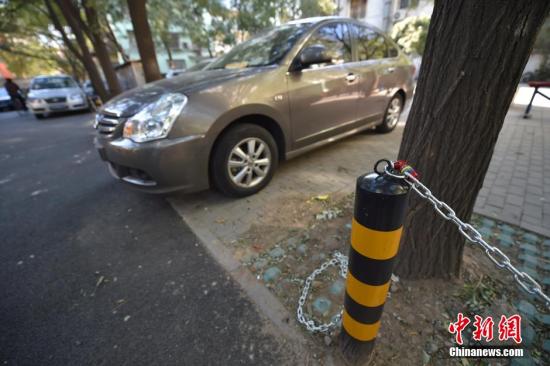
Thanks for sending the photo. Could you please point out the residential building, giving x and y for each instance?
(384, 13)
(180, 54)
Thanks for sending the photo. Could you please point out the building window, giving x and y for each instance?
(174, 41)
(176, 64)
(403, 4)
(358, 8)
(131, 40)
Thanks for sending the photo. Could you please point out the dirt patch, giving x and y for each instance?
(295, 235)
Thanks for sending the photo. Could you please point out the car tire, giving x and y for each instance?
(237, 171)
(39, 116)
(391, 115)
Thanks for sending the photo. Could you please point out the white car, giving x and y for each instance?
(172, 73)
(49, 94)
(5, 100)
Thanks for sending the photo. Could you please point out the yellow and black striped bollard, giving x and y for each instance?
(380, 203)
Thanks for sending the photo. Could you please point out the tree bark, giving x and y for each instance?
(84, 54)
(144, 40)
(113, 39)
(474, 57)
(101, 50)
(166, 45)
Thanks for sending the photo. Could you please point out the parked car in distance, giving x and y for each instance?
(5, 100)
(174, 72)
(294, 88)
(60, 93)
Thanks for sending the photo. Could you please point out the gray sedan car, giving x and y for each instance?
(294, 88)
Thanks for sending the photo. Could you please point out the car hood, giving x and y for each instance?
(129, 103)
(50, 93)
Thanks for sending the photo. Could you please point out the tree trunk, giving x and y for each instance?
(84, 54)
(144, 39)
(101, 50)
(475, 54)
(113, 39)
(166, 45)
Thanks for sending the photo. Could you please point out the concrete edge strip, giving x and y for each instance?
(529, 227)
(270, 306)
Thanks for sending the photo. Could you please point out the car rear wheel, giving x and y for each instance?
(391, 117)
(244, 160)
(39, 116)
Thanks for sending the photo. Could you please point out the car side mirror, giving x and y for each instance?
(316, 54)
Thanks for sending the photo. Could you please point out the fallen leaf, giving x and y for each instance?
(100, 280)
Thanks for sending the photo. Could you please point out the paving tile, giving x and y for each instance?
(530, 238)
(531, 259)
(496, 200)
(515, 200)
(487, 222)
(505, 240)
(529, 248)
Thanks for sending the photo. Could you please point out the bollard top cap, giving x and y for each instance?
(382, 184)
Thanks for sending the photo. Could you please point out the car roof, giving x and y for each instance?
(51, 76)
(312, 20)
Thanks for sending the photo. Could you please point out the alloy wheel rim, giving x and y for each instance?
(249, 162)
(394, 111)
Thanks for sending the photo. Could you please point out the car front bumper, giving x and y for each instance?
(167, 165)
(45, 108)
(6, 104)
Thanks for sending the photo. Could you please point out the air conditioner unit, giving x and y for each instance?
(398, 16)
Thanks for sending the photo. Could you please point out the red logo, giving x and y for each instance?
(508, 328)
(484, 328)
(458, 327)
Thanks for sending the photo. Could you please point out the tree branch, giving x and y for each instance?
(59, 28)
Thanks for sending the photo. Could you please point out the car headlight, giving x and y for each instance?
(155, 120)
(35, 100)
(76, 96)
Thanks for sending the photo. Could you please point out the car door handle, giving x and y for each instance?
(351, 77)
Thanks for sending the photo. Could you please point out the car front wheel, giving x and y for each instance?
(391, 117)
(244, 160)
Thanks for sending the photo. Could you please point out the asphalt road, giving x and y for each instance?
(93, 273)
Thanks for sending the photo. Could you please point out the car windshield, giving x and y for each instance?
(199, 65)
(266, 49)
(3, 92)
(53, 83)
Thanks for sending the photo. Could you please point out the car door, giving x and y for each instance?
(377, 73)
(323, 97)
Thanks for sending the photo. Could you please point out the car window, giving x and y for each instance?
(336, 39)
(52, 83)
(370, 44)
(392, 50)
(268, 48)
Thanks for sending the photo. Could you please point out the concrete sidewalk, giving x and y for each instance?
(517, 186)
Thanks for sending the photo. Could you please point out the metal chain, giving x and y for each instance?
(524, 280)
(337, 259)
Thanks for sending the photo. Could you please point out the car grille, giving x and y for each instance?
(108, 125)
(56, 100)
